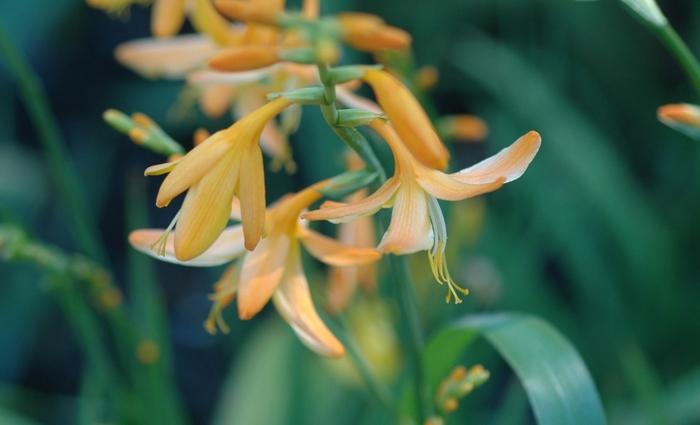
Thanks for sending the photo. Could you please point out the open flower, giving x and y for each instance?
(417, 223)
(228, 163)
(273, 270)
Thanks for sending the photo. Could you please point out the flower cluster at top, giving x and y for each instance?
(264, 65)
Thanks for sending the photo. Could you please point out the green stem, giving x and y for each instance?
(410, 322)
(378, 390)
(35, 100)
(682, 53)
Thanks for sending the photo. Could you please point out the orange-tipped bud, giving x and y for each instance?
(259, 12)
(167, 17)
(427, 77)
(200, 135)
(466, 128)
(368, 32)
(244, 58)
(679, 114)
(408, 118)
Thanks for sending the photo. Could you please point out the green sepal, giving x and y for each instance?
(357, 117)
(344, 184)
(304, 96)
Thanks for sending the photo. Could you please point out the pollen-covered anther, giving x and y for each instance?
(244, 58)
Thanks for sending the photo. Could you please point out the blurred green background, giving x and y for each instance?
(600, 237)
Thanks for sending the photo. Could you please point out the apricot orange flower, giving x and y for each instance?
(417, 223)
(228, 163)
(409, 119)
(273, 270)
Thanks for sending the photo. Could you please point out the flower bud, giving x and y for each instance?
(244, 58)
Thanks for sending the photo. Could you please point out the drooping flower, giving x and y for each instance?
(408, 118)
(370, 33)
(228, 163)
(417, 223)
(273, 270)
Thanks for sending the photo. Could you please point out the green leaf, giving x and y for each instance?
(9, 418)
(556, 380)
(258, 390)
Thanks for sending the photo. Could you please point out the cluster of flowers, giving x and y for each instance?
(265, 67)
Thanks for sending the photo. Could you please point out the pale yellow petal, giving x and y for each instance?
(167, 17)
(335, 253)
(226, 248)
(447, 187)
(206, 209)
(410, 229)
(252, 195)
(236, 209)
(509, 164)
(261, 272)
(167, 58)
(216, 100)
(338, 212)
(193, 166)
(208, 77)
(293, 301)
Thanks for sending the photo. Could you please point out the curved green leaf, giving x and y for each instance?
(556, 380)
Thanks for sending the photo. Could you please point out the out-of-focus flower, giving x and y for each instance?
(370, 33)
(464, 128)
(408, 118)
(459, 384)
(417, 223)
(426, 77)
(682, 117)
(273, 270)
(228, 163)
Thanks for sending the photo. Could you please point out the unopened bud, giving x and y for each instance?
(244, 58)
(257, 12)
(464, 128)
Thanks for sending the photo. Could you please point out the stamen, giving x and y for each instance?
(159, 246)
(436, 256)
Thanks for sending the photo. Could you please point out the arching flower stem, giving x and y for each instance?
(410, 321)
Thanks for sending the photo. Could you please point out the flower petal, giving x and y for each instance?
(169, 58)
(208, 77)
(352, 100)
(228, 246)
(410, 229)
(251, 192)
(335, 253)
(167, 17)
(408, 118)
(338, 212)
(261, 272)
(447, 187)
(206, 209)
(215, 100)
(510, 163)
(193, 166)
(294, 303)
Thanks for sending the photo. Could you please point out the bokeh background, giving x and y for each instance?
(600, 237)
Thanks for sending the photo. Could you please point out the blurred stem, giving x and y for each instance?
(410, 322)
(35, 100)
(682, 53)
(379, 391)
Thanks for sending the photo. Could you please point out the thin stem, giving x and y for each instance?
(682, 53)
(379, 391)
(410, 322)
(35, 100)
